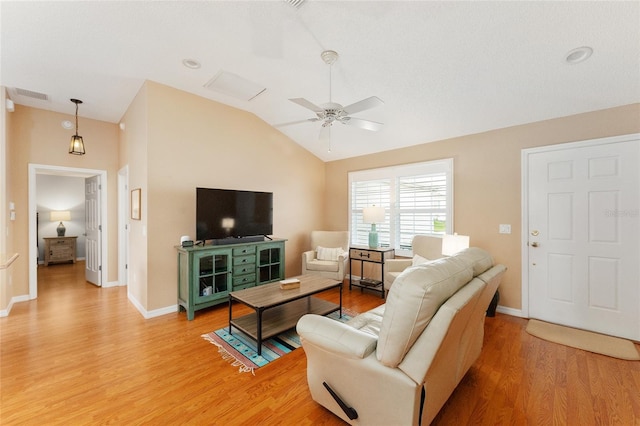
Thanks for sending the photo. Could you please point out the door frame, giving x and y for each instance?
(524, 236)
(123, 225)
(35, 169)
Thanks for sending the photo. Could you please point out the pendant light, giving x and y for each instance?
(76, 146)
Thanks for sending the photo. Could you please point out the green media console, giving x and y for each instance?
(207, 274)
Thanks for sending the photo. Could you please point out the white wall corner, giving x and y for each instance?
(15, 299)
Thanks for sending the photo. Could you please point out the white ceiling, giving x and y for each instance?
(443, 69)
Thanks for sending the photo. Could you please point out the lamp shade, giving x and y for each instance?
(373, 214)
(59, 216)
(76, 146)
(452, 244)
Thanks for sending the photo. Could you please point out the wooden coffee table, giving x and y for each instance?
(278, 310)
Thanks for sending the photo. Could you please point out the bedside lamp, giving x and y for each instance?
(373, 215)
(451, 244)
(59, 216)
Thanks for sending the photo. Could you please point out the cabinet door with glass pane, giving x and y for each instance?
(270, 262)
(212, 275)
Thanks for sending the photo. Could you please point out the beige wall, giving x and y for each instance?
(191, 142)
(36, 136)
(487, 188)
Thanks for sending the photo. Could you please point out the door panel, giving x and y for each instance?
(93, 257)
(583, 250)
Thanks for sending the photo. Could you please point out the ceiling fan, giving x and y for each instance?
(332, 112)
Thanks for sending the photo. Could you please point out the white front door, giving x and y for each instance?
(93, 226)
(583, 247)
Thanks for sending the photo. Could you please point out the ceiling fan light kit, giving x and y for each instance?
(331, 112)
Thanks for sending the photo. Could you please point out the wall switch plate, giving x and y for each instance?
(504, 229)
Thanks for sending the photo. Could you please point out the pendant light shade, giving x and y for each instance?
(76, 146)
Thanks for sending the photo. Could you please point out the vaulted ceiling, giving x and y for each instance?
(443, 69)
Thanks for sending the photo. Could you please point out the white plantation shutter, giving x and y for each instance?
(418, 199)
(369, 193)
(421, 206)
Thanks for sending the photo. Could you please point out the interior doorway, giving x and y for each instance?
(34, 170)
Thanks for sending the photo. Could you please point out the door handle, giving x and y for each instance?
(534, 244)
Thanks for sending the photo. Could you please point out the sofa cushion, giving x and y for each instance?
(369, 321)
(322, 265)
(328, 253)
(479, 259)
(413, 300)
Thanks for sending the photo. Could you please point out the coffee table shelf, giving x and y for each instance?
(283, 317)
(277, 310)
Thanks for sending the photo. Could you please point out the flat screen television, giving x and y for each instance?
(223, 214)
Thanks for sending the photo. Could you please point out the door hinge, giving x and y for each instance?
(100, 268)
(100, 228)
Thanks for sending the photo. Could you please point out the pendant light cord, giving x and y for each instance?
(76, 118)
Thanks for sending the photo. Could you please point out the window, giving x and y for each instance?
(417, 198)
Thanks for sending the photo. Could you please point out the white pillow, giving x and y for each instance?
(419, 260)
(324, 253)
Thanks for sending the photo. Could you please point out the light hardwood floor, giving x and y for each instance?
(83, 355)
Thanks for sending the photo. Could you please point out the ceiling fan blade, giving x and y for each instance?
(296, 122)
(307, 104)
(374, 126)
(364, 104)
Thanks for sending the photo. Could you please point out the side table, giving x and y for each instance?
(371, 255)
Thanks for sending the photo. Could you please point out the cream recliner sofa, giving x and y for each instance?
(331, 262)
(399, 363)
(427, 247)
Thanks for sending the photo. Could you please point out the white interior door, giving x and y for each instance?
(93, 228)
(583, 237)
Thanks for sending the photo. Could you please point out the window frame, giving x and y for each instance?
(392, 212)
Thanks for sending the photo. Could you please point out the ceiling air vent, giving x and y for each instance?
(31, 94)
(234, 85)
(295, 3)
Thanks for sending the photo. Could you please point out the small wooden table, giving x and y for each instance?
(59, 249)
(278, 310)
(371, 255)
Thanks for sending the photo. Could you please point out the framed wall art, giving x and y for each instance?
(136, 195)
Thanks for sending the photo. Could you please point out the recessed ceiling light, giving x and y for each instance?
(579, 54)
(191, 63)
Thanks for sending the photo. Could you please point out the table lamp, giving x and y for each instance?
(452, 244)
(59, 216)
(373, 215)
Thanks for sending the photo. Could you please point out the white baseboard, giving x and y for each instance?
(152, 314)
(15, 299)
(510, 311)
(111, 284)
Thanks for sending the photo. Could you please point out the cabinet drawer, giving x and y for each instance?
(360, 254)
(244, 269)
(244, 260)
(239, 251)
(249, 279)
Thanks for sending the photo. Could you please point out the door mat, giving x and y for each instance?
(593, 342)
(241, 351)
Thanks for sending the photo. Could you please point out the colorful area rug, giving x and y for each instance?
(241, 351)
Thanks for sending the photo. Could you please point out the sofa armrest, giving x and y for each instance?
(397, 265)
(336, 337)
(308, 256)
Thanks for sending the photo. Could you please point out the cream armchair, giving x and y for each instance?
(328, 255)
(427, 247)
